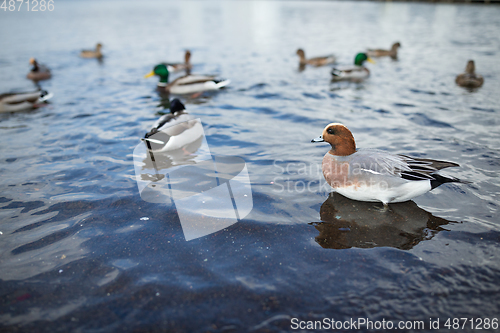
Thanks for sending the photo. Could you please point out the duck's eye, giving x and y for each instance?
(330, 131)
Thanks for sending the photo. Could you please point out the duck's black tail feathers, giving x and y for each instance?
(440, 179)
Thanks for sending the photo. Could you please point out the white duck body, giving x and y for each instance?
(193, 83)
(356, 73)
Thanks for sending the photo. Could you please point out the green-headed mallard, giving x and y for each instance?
(469, 79)
(176, 67)
(187, 84)
(38, 72)
(356, 73)
(316, 61)
(92, 53)
(393, 52)
(13, 102)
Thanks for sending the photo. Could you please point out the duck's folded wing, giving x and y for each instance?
(383, 163)
(192, 79)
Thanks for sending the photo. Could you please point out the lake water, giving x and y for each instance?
(80, 250)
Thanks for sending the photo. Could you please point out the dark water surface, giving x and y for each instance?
(81, 252)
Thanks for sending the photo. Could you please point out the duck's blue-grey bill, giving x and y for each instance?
(318, 139)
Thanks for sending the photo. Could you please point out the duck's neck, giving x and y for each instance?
(345, 148)
(163, 79)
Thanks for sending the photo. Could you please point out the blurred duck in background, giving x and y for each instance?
(357, 73)
(92, 53)
(38, 72)
(177, 67)
(13, 102)
(187, 84)
(470, 79)
(316, 61)
(393, 52)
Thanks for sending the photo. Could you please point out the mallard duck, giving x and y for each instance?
(186, 84)
(92, 53)
(175, 130)
(38, 72)
(13, 102)
(470, 79)
(316, 61)
(393, 52)
(176, 67)
(357, 73)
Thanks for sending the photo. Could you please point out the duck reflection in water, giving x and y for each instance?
(348, 223)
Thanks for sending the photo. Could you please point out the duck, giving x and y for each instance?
(356, 73)
(177, 67)
(13, 102)
(38, 72)
(469, 79)
(175, 130)
(393, 52)
(316, 61)
(374, 175)
(187, 84)
(92, 53)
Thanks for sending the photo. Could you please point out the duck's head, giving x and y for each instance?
(471, 67)
(176, 106)
(340, 138)
(301, 53)
(98, 46)
(161, 71)
(361, 58)
(396, 45)
(187, 56)
(32, 61)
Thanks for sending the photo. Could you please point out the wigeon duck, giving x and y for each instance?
(356, 73)
(393, 52)
(316, 61)
(469, 79)
(38, 71)
(187, 84)
(375, 175)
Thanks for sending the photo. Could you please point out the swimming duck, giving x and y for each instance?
(374, 175)
(187, 84)
(176, 67)
(92, 53)
(393, 52)
(13, 102)
(317, 61)
(356, 73)
(175, 130)
(469, 79)
(38, 72)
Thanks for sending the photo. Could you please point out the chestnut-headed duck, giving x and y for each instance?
(374, 175)
(469, 79)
